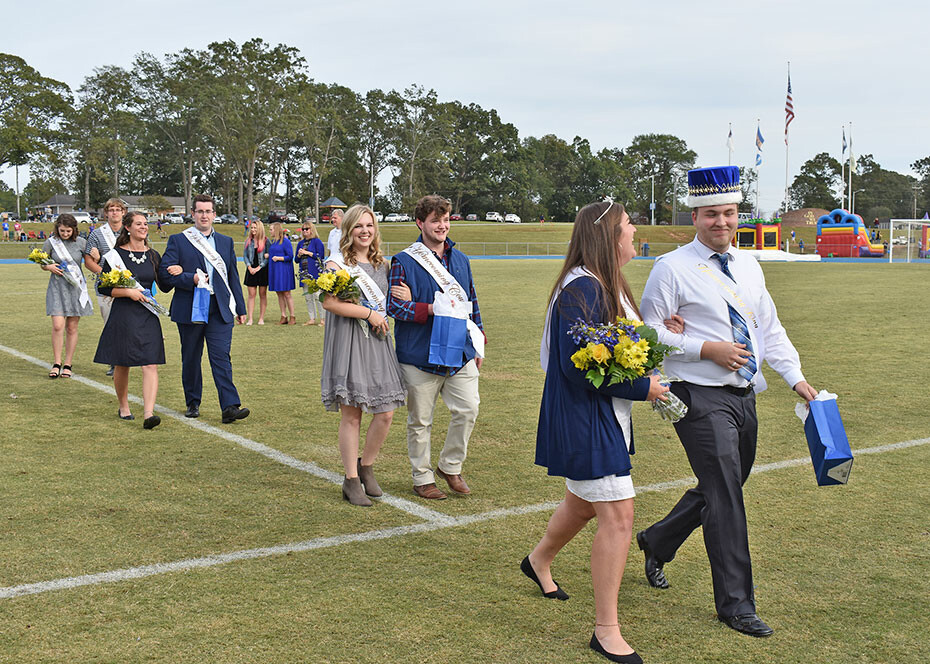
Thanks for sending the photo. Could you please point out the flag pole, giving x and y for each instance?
(843, 172)
(758, 209)
(786, 142)
(730, 146)
(851, 160)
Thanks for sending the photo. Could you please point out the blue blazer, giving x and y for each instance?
(578, 435)
(181, 252)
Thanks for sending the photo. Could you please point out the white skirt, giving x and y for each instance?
(603, 489)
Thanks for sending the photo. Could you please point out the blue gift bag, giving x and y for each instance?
(829, 447)
(447, 341)
(200, 309)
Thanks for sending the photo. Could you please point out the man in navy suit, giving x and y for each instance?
(199, 253)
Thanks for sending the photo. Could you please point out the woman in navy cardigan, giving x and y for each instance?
(585, 433)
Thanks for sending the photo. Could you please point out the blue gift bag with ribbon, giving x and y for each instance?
(829, 447)
(447, 341)
(200, 308)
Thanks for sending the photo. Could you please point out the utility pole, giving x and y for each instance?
(18, 213)
(652, 205)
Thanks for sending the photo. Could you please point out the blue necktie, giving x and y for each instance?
(740, 329)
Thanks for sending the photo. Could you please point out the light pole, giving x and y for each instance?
(852, 201)
(652, 205)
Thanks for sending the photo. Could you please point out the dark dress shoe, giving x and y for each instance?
(125, 417)
(631, 658)
(455, 482)
(234, 413)
(193, 410)
(429, 491)
(747, 623)
(110, 370)
(527, 568)
(151, 422)
(654, 574)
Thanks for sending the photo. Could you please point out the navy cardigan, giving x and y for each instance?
(578, 435)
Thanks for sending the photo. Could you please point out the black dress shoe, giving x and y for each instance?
(654, 574)
(151, 422)
(193, 410)
(527, 569)
(747, 623)
(234, 413)
(125, 417)
(631, 658)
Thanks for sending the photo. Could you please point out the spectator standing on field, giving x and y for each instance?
(100, 242)
(335, 236)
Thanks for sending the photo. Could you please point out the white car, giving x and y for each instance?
(174, 218)
(379, 217)
(512, 219)
(493, 216)
(396, 216)
(82, 217)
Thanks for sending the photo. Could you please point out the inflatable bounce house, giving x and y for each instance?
(843, 235)
(924, 242)
(758, 234)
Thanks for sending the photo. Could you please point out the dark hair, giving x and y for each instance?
(203, 198)
(432, 203)
(595, 247)
(123, 237)
(65, 220)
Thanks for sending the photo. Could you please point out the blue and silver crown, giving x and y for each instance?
(717, 185)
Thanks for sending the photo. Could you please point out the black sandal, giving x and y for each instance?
(55, 374)
(65, 368)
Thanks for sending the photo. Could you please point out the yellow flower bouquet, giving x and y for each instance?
(338, 283)
(620, 351)
(124, 279)
(39, 257)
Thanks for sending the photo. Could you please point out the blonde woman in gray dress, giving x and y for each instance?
(360, 371)
(64, 301)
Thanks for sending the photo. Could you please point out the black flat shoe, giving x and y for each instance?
(55, 372)
(151, 422)
(747, 623)
(654, 574)
(193, 410)
(632, 658)
(527, 569)
(125, 417)
(110, 370)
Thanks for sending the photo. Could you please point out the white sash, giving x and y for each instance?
(73, 269)
(108, 236)
(366, 284)
(729, 291)
(428, 261)
(115, 261)
(219, 267)
(623, 408)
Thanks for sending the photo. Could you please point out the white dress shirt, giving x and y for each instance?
(675, 286)
(332, 244)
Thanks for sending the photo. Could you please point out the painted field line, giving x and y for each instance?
(371, 535)
(278, 456)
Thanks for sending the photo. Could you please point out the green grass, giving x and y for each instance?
(842, 573)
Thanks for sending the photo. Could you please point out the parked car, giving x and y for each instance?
(471, 217)
(455, 217)
(379, 217)
(512, 218)
(292, 218)
(173, 218)
(395, 216)
(277, 215)
(229, 219)
(82, 217)
(493, 216)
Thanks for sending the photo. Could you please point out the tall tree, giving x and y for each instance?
(419, 140)
(816, 184)
(377, 130)
(31, 109)
(664, 158)
(106, 98)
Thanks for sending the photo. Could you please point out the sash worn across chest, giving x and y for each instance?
(73, 269)
(200, 243)
(370, 289)
(108, 236)
(428, 261)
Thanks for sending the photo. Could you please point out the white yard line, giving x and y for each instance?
(434, 520)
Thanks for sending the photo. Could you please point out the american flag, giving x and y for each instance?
(789, 109)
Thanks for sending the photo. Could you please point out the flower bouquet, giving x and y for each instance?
(341, 284)
(124, 279)
(624, 350)
(39, 257)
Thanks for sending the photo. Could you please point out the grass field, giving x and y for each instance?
(842, 573)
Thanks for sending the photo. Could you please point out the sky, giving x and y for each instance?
(605, 71)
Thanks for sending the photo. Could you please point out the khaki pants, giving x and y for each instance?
(460, 394)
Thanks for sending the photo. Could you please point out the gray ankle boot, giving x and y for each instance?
(353, 492)
(367, 475)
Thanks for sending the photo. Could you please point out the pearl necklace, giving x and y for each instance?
(137, 261)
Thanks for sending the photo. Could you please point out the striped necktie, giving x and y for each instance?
(738, 323)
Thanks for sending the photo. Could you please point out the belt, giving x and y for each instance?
(738, 391)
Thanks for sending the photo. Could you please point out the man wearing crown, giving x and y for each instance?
(731, 326)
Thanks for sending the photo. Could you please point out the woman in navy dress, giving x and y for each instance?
(585, 433)
(310, 250)
(132, 335)
(281, 272)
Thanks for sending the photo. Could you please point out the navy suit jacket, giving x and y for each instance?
(181, 252)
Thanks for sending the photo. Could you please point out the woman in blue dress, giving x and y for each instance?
(310, 251)
(585, 433)
(281, 272)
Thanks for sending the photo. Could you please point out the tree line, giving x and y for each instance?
(247, 121)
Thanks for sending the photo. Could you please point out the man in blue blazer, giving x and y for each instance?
(189, 255)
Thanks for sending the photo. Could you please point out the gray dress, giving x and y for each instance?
(61, 298)
(358, 371)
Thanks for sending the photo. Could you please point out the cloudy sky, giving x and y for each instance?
(606, 71)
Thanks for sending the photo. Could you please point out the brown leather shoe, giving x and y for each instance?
(455, 482)
(429, 491)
